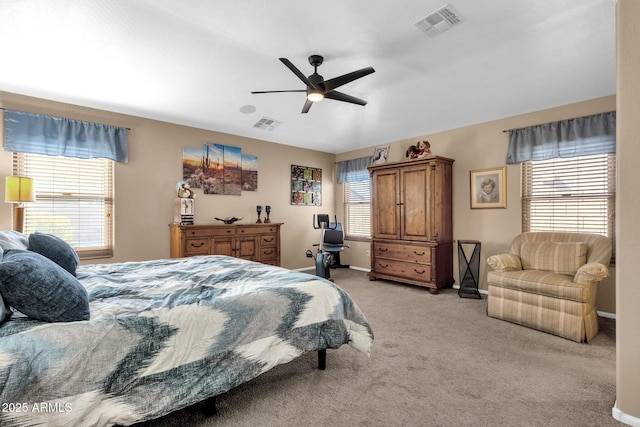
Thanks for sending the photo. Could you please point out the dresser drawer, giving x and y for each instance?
(421, 254)
(268, 240)
(213, 231)
(196, 247)
(257, 230)
(268, 252)
(409, 270)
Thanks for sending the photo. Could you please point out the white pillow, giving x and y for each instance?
(10, 239)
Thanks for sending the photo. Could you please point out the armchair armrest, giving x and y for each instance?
(591, 272)
(505, 262)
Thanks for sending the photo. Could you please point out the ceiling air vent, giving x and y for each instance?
(266, 123)
(439, 21)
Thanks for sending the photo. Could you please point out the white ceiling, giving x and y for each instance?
(195, 62)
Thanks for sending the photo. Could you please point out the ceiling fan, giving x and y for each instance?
(318, 89)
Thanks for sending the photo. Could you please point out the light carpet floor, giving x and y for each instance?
(437, 360)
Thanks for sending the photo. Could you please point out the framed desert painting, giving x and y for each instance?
(488, 188)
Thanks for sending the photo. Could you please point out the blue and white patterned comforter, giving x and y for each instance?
(166, 334)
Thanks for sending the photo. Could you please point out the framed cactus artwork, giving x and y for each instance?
(219, 169)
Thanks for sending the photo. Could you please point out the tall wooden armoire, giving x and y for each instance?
(411, 222)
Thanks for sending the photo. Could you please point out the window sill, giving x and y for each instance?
(357, 238)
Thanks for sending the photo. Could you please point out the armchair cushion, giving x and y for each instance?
(505, 262)
(558, 257)
(545, 283)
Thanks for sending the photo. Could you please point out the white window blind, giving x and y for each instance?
(357, 202)
(570, 194)
(74, 200)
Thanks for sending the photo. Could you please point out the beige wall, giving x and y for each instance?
(627, 217)
(477, 147)
(145, 186)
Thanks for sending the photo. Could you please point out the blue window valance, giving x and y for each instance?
(582, 136)
(353, 170)
(56, 136)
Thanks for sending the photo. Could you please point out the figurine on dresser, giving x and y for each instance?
(183, 209)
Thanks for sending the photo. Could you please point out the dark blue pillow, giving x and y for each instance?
(41, 289)
(54, 248)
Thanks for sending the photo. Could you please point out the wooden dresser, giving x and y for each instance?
(255, 242)
(411, 222)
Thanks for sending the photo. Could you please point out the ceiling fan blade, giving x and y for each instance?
(297, 72)
(279, 91)
(307, 105)
(339, 96)
(336, 82)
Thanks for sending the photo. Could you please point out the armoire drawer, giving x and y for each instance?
(409, 270)
(404, 252)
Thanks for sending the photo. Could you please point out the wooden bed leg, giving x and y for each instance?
(209, 407)
(322, 359)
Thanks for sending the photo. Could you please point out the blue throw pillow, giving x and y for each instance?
(41, 289)
(54, 248)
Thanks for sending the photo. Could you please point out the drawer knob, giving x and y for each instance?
(418, 253)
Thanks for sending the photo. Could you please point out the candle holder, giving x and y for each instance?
(259, 211)
(268, 211)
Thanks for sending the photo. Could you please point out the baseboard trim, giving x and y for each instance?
(624, 418)
(607, 315)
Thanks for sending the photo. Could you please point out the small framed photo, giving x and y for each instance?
(489, 188)
(380, 155)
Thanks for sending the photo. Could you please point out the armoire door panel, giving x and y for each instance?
(415, 204)
(386, 207)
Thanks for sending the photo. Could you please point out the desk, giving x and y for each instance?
(469, 269)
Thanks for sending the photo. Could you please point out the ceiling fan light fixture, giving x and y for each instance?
(315, 95)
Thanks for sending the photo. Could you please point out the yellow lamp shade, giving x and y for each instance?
(19, 189)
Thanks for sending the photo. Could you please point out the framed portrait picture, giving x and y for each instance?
(380, 155)
(489, 188)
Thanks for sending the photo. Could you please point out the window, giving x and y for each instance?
(74, 200)
(357, 212)
(570, 194)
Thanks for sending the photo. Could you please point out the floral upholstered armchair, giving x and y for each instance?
(548, 281)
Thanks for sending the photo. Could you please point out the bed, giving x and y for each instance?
(166, 334)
